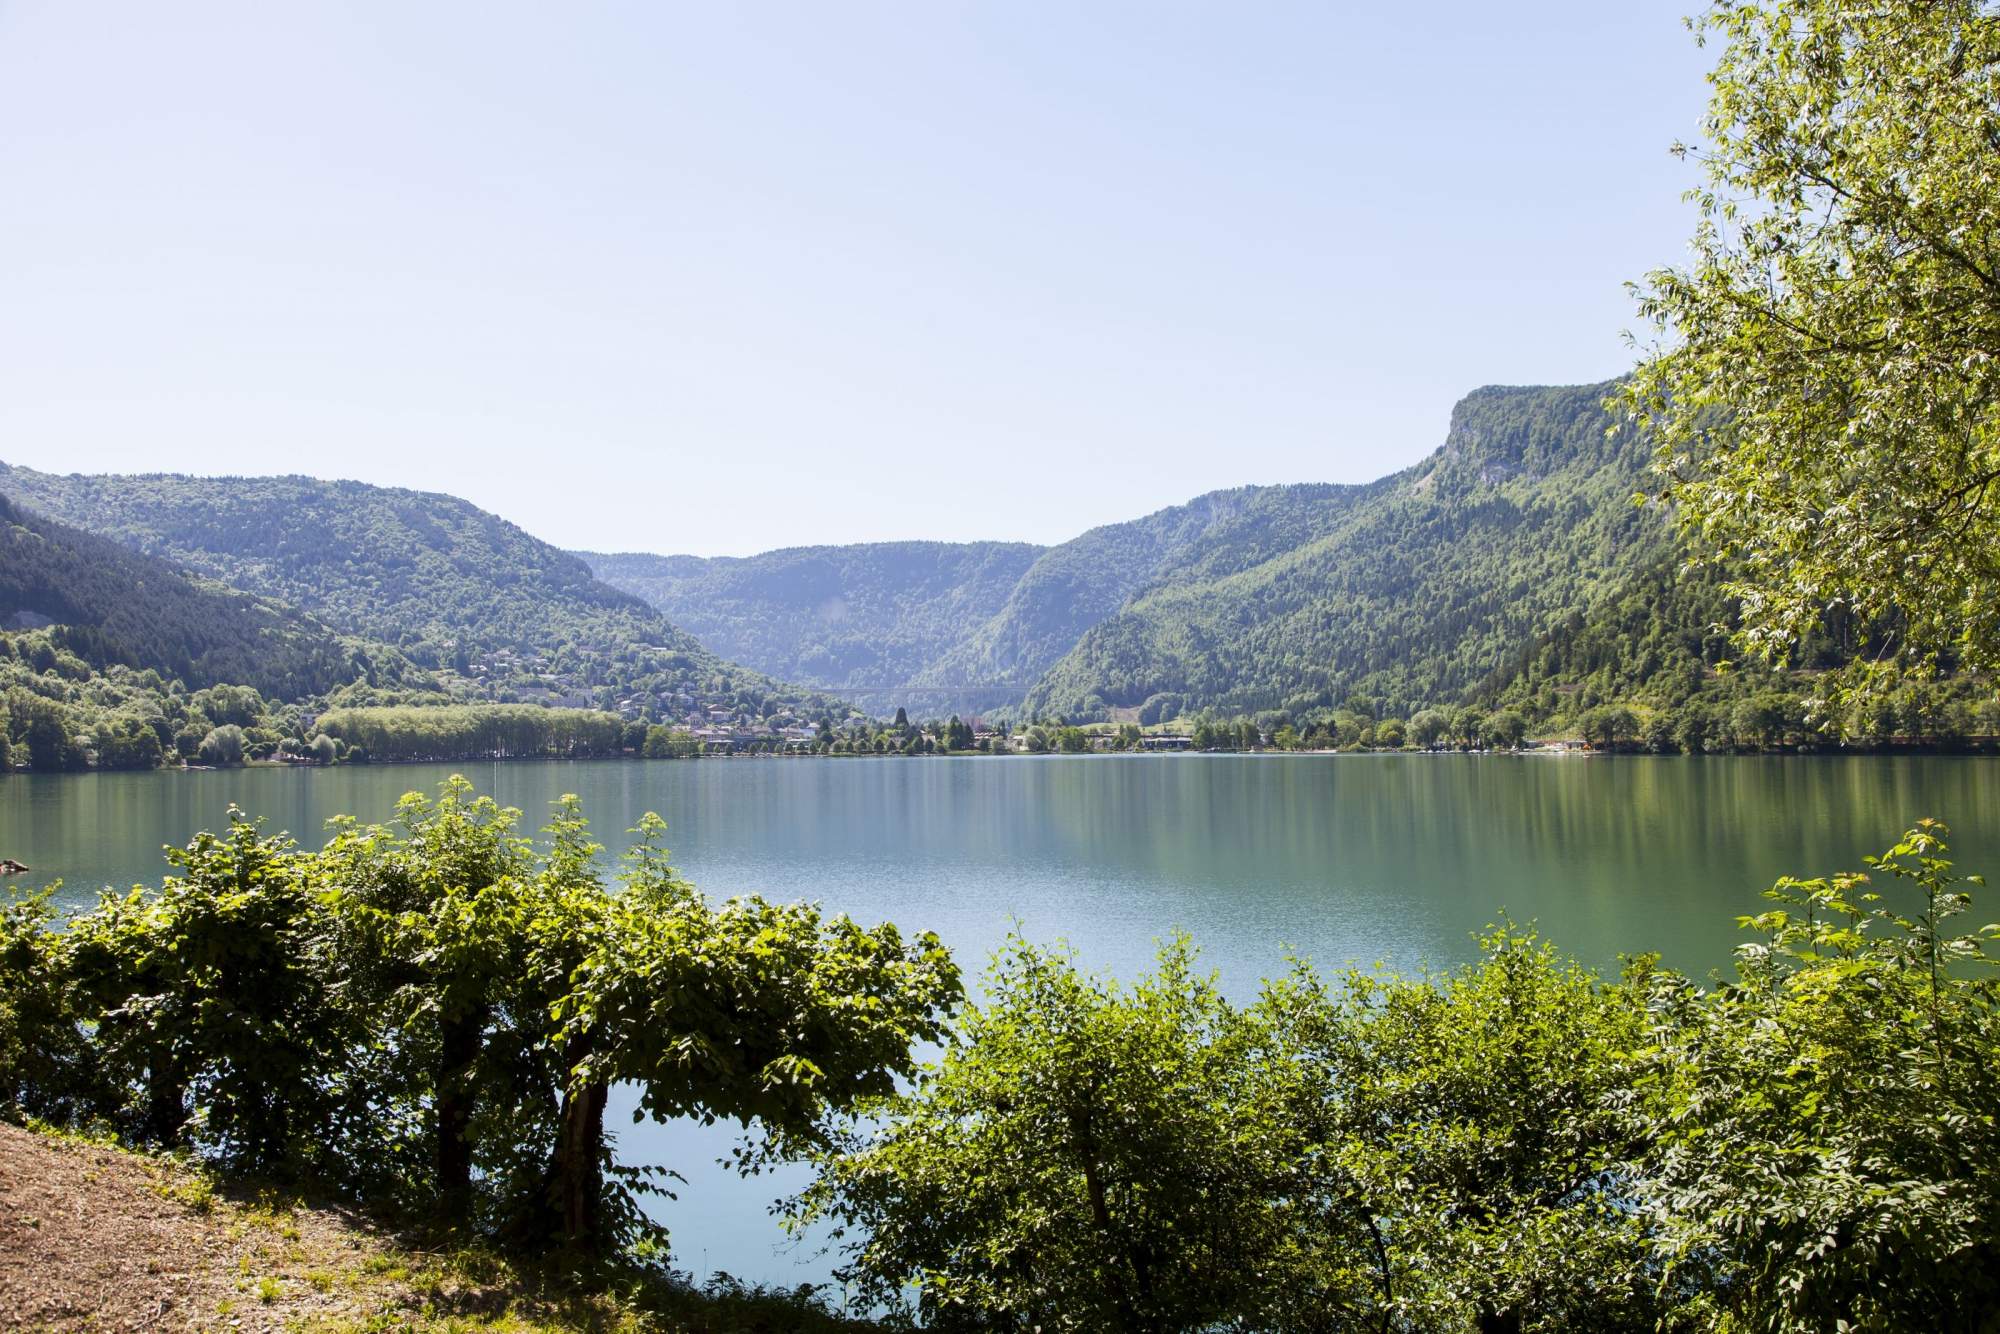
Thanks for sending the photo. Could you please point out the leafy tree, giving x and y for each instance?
(1504, 730)
(1090, 1158)
(1609, 724)
(1468, 1125)
(668, 743)
(1827, 399)
(431, 913)
(764, 1013)
(223, 745)
(125, 742)
(209, 999)
(1826, 1122)
(1692, 729)
(47, 1066)
(1763, 718)
(42, 729)
(1427, 727)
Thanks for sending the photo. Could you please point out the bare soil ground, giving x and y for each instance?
(95, 1238)
(99, 1238)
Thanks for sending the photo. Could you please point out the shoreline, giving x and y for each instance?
(1525, 752)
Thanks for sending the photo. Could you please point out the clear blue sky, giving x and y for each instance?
(720, 277)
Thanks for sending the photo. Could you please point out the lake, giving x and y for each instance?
(1345, 859)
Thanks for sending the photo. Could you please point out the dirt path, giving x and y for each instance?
(95, 1238)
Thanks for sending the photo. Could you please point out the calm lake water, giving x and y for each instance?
(1345, 859)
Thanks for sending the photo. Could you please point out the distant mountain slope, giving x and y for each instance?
(943, 627)
(864, 620)
(1075, 586)
(1415, 587)
(1418, 586)
(120, 607)
(451, 585)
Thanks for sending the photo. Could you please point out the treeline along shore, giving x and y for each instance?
(1765, 724)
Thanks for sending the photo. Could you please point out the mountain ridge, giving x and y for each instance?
(120, 607)
(1249, 597)
(457, 589)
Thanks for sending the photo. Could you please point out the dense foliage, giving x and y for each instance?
(1826, 399)
(1664, 652)
(1827, 1126)
(432, 1013)
(1516, 1145)
(492, 731)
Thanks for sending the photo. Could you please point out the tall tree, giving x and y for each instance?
(1827, 388)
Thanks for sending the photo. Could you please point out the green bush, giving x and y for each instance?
(1516, 1145)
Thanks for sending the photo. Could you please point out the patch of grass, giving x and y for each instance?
(194, 1190)
(269, 1290)
(96, 1135)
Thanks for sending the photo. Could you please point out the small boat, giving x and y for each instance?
(8, 866)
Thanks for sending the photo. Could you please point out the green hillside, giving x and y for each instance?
(501, 614)
(865, 620)
(113, 607)
(1414, 588)
(112, 659)
(1080, 583)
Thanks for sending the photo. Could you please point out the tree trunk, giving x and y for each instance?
(459, 1045)
(1130, 1318)
(577, 1187)
(166, 1103)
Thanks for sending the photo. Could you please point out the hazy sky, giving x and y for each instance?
(726, 276)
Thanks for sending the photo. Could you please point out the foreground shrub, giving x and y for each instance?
(1374, 1153)
(1515, 1145)
(1090, 1158)
(1827, 1125)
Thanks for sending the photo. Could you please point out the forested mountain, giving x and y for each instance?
(499, 613)
(1416, 588)
(112, 607)
(865, 620)
(1075, 586)
(946, 627)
